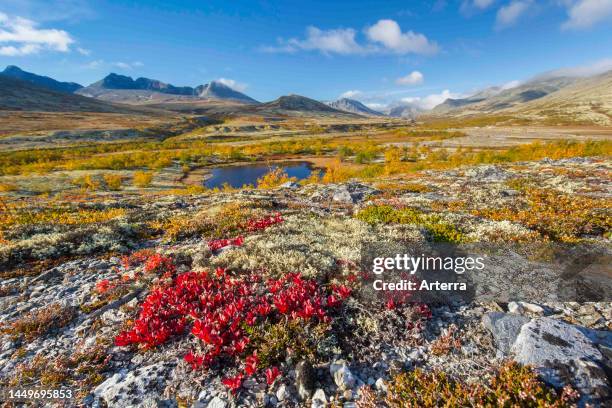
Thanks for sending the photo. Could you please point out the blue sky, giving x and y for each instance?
(376, 51)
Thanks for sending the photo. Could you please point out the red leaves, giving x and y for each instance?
(104, 285)
(271, 374)
(263, 223)
(251, 364)
(342, 291)
(158, 263)
(217, 244)
(233, 383)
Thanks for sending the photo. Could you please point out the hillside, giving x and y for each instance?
(13, 71)
(491, 101)
(297, 104)
(353, 106)
(586, 100)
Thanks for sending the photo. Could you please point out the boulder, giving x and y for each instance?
(563, 354)
(505, 328)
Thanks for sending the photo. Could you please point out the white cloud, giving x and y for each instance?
(383, 37)
(509, 14)
(351, 94)
(413, 78)
(511, 84)
(595, 68)
(430, 101)
(389, 34)
(94, 64)
(236, 86)
(128, 66)
(83, 51)
(20, 36)
(376, 106)
(587, 13)
(335, 41)
(468, 7)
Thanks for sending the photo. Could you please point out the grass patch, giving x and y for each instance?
(36, 324)
(439, 230)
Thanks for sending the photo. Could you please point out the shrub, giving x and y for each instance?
(40, 322)
(7, 187)
(273, 178)
(142, 178)
(336, 173)
(87, 182)
(512, 386)
(113, 181)
(555, 215)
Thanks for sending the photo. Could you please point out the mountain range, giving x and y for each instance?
(121, 88)
(560, 98)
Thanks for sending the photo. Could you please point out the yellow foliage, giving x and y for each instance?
(113, 181)
(273, 178)
(142, 178)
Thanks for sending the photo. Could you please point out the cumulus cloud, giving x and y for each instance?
(430, 101)
(586, 13)
(413, 78)
(354, 93)
(385, 36)
(389, 34)
(235, 85)
(20, 36)
(509, 14)
(128, 66)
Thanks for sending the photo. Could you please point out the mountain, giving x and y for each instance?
(121, 88)
(353, 106)
(404, 111)
(218, 90)
(496, 99)
(19, 95)
(301, 105)
(42, 81)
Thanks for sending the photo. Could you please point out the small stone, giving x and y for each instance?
(281, 393)
(319, 400)
(371, 381)
(514, 307)
(343, 377)
(304, 379)
(380, 385)
(217, 403)
(532, 307)
(348, 395)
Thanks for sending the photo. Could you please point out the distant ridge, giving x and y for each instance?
(20, 95)
(115, 87)
(39, 80)
(353, 106)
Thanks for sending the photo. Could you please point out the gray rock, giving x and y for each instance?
(516, 308)
(343, 377)
(380, 385)
(304, 379)
(562, 354)
(289, 184)
(142, 386)
(281, 393)
(505, 328)
(342, 195)
(319, 400)
(217, 403)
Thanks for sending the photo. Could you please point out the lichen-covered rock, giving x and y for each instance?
(562, 354)
(505, 328)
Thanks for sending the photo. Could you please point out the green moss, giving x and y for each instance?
(440, 231)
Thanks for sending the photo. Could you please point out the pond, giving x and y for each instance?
(237, 176)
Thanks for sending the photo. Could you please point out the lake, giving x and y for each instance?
(237, 176)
